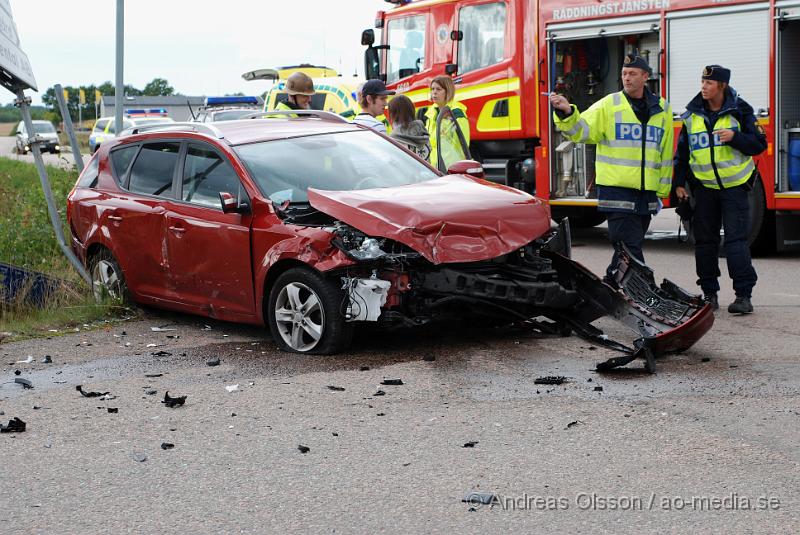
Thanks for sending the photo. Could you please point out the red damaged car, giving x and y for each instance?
(310, 224)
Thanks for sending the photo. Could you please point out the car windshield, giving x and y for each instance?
(231, 115)
(153, 120)
(44, 128)
(344, 161)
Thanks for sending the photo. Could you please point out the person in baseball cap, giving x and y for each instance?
(372, 99)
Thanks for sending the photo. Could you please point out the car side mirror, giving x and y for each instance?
(231, 205)
(467, 167)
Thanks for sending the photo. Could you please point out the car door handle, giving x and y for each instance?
(177, 230)
(115, 218)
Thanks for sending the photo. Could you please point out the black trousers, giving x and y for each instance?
(728, 209)
(628, 228)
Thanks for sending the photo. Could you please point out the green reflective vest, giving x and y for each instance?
(629, 154)
(715, 163)
(452, 149)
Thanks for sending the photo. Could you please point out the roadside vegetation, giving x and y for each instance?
(27, 240)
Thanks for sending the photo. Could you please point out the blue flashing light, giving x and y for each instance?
(220, 101)
(151, 111)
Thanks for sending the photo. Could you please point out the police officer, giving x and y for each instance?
(633, 133)
(715, 148)
(300, 89)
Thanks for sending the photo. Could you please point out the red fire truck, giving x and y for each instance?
(506, 55)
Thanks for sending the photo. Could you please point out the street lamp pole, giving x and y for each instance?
(119, 95)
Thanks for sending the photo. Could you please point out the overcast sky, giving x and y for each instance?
(201, 47)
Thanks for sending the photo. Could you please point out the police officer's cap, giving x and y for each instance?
(717, 72)
(634, 61)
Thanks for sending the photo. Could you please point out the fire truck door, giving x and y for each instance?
(787, 83)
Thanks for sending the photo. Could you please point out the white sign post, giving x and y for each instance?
(16, 75)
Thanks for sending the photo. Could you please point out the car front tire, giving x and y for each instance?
(304, 314)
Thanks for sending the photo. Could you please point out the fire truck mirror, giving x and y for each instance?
(451, 68)
(368, 37)
(456, 35)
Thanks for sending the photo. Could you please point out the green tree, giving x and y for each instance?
(158, 87)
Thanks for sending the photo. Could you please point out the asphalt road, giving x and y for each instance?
(709, 444)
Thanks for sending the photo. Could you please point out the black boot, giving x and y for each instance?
(742, 305)
(712, 300)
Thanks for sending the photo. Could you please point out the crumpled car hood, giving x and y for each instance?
(453, 218)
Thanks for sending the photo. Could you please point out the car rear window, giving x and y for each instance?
(88, 178)
(345, 161)
(121, 159)
(154, 168)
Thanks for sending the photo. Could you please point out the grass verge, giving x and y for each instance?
(27, 240)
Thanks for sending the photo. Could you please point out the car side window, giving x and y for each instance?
(206, 174)
(154, 168)
(121, 160)
(101, 125)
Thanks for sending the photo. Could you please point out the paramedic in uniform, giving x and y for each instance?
(715, 148)
(633, 133)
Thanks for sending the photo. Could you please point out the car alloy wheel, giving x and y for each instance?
(107, 280)
(299, 316)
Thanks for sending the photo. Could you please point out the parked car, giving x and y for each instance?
(227, 108)
(313, 224)
(45, 130)
(105, 127)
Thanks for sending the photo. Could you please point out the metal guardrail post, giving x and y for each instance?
(73, 141)
(24, 102)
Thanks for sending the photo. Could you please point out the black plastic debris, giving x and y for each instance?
(47, 359)
(161, 354)
(167, 446)
(550, 380)
(364, 369)
(24, 382)
(470, 444)
(573, 424)
(113, 410)
(392, 382)
(303, 449)
(381, 414)
(173, 402)
(17, 372)
(151, 375)
(213, 362)
(336, 388)
(15, 425)
(335, 434)
(481, 498)
(151, 392)
(379, 393)
(598, 389)
(85, 394)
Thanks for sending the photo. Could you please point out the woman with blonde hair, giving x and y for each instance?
(407, 129)
(447, 124)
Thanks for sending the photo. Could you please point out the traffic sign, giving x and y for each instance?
(16, 69)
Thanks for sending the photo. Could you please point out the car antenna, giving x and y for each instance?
(189, 104)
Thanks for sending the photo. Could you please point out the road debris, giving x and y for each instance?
(162, 329)
(26, 361)
(24, 382)
(232, 388)
(139, 457)
(481, 498)
(15, 425)
(47, 359)
(161, 354)
(303, 449)
(573, 424)
(470, 444)
(213, 362)
(598, 389)
(152, 375)
(173, 402)
(167, 445)
(336, 388)
(113, 410)
(379, 393)
(364, 369)
(17, 372)
(392, 382)
(705, 359)
(550, 380)
(151, 391)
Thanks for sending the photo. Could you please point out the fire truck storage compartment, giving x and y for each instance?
(787, 69)
(586, 59)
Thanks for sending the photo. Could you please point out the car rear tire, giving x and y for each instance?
(304, 314)
(108, 281)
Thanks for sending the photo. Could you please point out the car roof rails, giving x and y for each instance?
(323, 115)
(180, 127)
